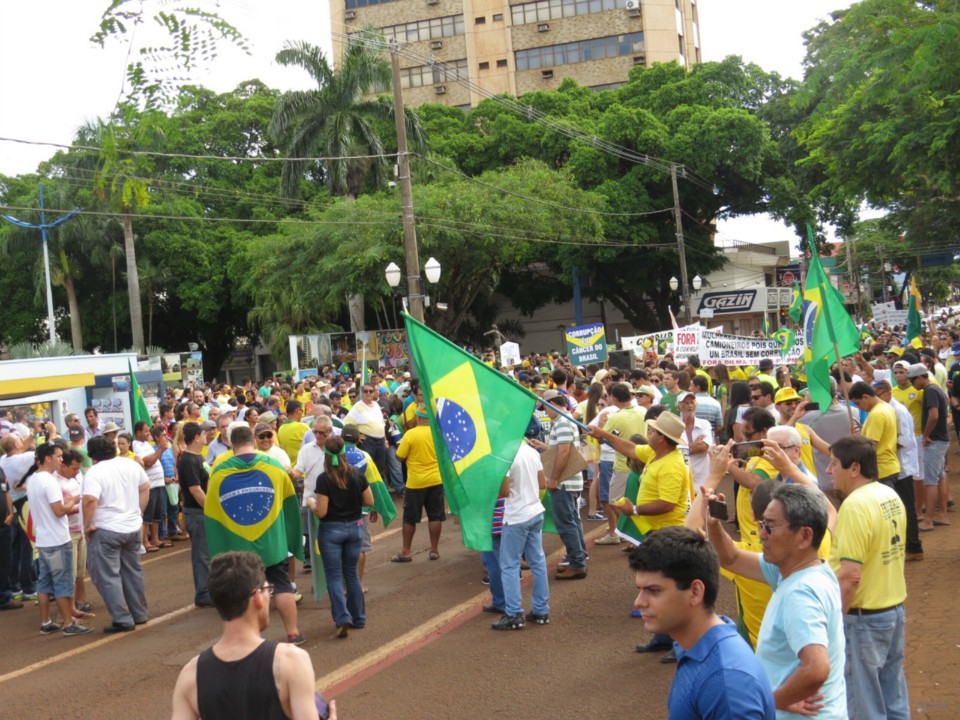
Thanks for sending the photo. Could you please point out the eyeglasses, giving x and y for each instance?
(267, 588)
(787, 447)
(365, 391)
(265, 435)
(353, 395)
(321, 432)
(768, 527)
(750, 433)
(753, 387)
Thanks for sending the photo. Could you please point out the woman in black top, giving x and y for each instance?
(342, 492)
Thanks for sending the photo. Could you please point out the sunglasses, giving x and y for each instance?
(366, 392)
(265, 436)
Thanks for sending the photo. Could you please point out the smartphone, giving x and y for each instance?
(813, 406)
(746, 450)
(717, 509)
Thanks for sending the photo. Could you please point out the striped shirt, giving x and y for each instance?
(563, 432)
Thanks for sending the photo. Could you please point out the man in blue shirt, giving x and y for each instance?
(718, 676)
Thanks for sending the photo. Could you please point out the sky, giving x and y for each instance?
(53, 79)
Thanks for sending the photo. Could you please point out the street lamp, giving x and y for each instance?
(697, 282)
(432, 269)
(674, 284)
(394, 275)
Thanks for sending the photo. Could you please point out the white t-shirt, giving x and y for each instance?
(699, 463)
(15, 467)
(607, 453)
(144, 449)
(50, 530)
(116, 486)
(278, 454)
(523, 504)
(310, 463)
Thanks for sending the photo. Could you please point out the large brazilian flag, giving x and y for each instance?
(251, 505)
(382, 502)
(478, 417)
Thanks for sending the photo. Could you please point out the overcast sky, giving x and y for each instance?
(52, 78)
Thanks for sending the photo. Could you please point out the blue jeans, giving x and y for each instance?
(491, 561)
(394, 470)
(199, 553)
(566, 516)
(524, 539)
(876, 685)
(6, 545)
(340, 544)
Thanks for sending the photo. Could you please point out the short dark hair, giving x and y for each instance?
(620, 392)
(760, 497)
(766, 388)
(241, 435)
(234, 577)
(693, 360)
(44, 451)
(803, 506)
(683, 555)
(293, 406)
(101, 448)
(71, 455)
(191, 431)
(861, 389)
(655, 411)
(759, 418)
(857, 449)
(701, 382)
(89, 410)
(157, 430)
(139, 425)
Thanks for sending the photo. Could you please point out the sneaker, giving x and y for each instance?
(75, 628)
(508, 622)
(538, 619)
(12, 605)
(297, 597)
(568, 573)
(564, 563)
(30, 596)
(485, 580)
(298, 639)
(609, 540)
(142, 550)
(50, 627)
(597, 517)
(84, 607)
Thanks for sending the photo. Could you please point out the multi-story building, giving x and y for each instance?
(516, 48)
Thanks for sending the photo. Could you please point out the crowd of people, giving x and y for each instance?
(828, 505)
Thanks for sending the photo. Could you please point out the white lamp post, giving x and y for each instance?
(393, 275)
(674, 284)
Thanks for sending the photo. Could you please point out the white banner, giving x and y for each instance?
(509, 354)
(716, 349)
(887, 313)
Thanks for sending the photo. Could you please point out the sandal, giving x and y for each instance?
(434, 555)
(166, 544)
(152, 548)
(398, 558)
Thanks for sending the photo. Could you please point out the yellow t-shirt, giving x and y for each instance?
(410, 414)
(764, 377)
(665, 479)
(806, 449)
(417, 448)
(290, 438)
(368, 419)
(912, 398)
(881, 427)
(703, 373)
(628, 421)
(736, 373)
(749, 533)
(871, 530)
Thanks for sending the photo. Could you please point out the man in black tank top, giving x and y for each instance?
(244, 676)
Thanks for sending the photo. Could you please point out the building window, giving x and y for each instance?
(577, 52)
(501, 63)
(543, 10)
(484, 66)
(351, 4)
(482, 20)
(498, 17)
(433, 75)
(432, 29)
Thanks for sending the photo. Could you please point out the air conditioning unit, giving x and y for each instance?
(350, 15)
(543, 27)
(546, 74)
(639, 59)
(633, 4)
(440, 89)
(436, 44)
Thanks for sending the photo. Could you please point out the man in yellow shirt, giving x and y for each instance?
(756, 423)
(664, 488)
(868, 558)
(628, 421)
(881, 427)
(290, 435)
(424, 488)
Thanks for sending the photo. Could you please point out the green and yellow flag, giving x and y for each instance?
(826, 325)
(796, 307)
(914, 325)
(478, 417)
(633, 528)
(251, 505)
(785, 338)
(382, 502)
(140, 411)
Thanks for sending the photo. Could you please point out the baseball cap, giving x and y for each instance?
(544, 370)
(601, 374)
(643, 390)
(550, 395)
(901, 364)
(785, 395)
(350, 434)
(267, 417)
(683, 396)
(917, 370)
(208, 425)
(898, 351)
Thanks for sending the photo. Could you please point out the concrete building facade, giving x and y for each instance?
(516, 48)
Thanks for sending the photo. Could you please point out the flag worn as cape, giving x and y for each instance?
(825, 322)
(914, 326)
(140, 411)
(251, 505)
(382, 502)
(478, 417)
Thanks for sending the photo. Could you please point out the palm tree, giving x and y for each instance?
(154, 279)
(334, 121)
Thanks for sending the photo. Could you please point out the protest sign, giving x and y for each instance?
(509, 354)
(586, 344)
(887, 313)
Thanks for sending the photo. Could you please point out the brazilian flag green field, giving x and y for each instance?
(478, 417)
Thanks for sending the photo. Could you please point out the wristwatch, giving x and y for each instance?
(635, 510)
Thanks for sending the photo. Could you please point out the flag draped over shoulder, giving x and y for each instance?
(914, 326)
(478, 417)
(251, 505)
(382, 502)
(826, 324)
(140, 411)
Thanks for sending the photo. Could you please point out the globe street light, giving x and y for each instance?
(432, 270)
(393, 275)
(674, 284)
(697, 282)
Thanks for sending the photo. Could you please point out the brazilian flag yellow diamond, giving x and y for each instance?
(460, 417)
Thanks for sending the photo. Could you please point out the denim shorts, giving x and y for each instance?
(934, 458)
(56, 570)
(606, 473)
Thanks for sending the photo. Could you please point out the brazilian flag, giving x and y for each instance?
(785, 338)
(914, 326)
(478, 417)
(140, 411)
(382, 502)
(796, 307)
(633, 528)
(251, 505)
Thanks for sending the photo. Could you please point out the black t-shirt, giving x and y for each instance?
(346, 504)
(192, 473)
(933, 397)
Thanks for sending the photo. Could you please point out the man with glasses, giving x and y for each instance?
(221, 443)
(243, 675)
(801, 644)
(751, 472)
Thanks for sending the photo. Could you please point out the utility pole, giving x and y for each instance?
(684, 288)
(412, 258)
(883, 272)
